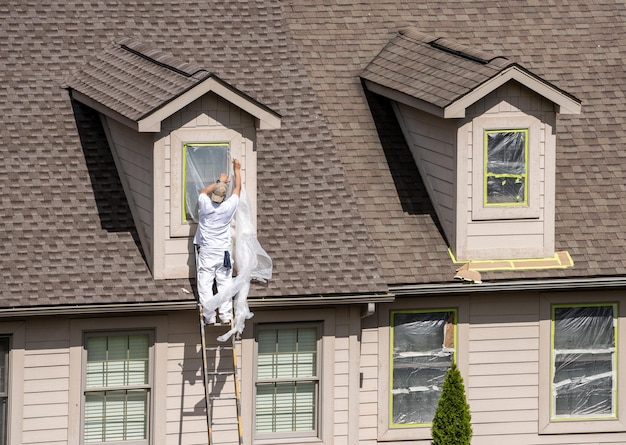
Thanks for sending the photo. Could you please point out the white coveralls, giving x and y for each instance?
(214, 240)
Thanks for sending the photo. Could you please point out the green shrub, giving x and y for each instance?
(452, 421)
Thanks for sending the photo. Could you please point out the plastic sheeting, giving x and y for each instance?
(506, 166)
(584, 353)
(423, 348)
(251, 261)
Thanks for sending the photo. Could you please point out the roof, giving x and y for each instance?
(450, 76)
(344, 210)
(141, 86)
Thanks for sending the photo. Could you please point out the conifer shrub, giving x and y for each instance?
(452, 421)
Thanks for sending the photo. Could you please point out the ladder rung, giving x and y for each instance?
(224, 422)
(219, 348)
(220, 373)
(222, 398)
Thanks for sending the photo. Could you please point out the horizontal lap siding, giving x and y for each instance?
(502, 384)
(432, 142)
(46, 383)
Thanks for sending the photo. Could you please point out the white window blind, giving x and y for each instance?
(287, 384)
(116, 388)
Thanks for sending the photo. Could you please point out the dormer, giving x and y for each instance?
(482, 131)
(169, 123)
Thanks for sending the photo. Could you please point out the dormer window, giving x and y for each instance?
(506, 167)
(172, 127)
(482, 132)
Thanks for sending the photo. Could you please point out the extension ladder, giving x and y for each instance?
(219, 361)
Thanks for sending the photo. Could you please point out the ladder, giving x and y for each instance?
(214, 375)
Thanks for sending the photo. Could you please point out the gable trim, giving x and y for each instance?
(265, 118)
(566, 104)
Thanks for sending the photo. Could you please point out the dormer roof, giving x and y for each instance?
(443, 77)
(141, 86)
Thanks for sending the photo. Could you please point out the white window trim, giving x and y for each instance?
(78, 327)
(178, 227)
(15, 408)
(572, 426)
(515, 122)
(326, 320)
(411, 432)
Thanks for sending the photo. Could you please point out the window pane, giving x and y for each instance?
(283, 355)
(506, 166)
(119, 414)
(286, 407)
(420, 360)
(203, 164)
(287, 353)
(115, 415)
(584, 361)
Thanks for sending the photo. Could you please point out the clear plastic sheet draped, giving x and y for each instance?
(251, 261)
(584, 374)
(422, 353)
(202, 167)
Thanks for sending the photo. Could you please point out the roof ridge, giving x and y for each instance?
(454, 47)
(161, 58)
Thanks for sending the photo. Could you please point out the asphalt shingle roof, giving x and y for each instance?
(343, 209)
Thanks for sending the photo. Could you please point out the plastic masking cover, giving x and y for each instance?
(251, 261)
(506, 166)
(584, 351)
(423, 349)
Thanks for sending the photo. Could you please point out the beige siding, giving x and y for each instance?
(133, 154)
(432, 142)
(507, 232)
(502, 343)
(208, 119)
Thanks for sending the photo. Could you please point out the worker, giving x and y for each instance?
(213, 241)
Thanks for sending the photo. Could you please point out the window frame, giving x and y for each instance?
(315, 433)
(184, 173)
(147, 386)
(15, 379)
(458, 304)
(549, 425)
(5, 389)
(392, 338)
(614, 368)
(326, 360)
(487, 175)
(535, 149)
(179, 227)
(156, 324)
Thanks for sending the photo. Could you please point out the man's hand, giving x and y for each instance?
(236, 164)
(224, 178)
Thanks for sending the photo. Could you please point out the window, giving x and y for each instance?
(202, 165)
(510, 158)
(197, 157)
(584, 371)
(506, 167)
(4, 387)
(117, 388)
(422, 348)
(287, 381)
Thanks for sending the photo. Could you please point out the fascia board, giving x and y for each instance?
(403, 98)
(567, 105)
(265, 118)
(86, 100)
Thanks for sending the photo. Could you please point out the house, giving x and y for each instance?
(433, 182)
